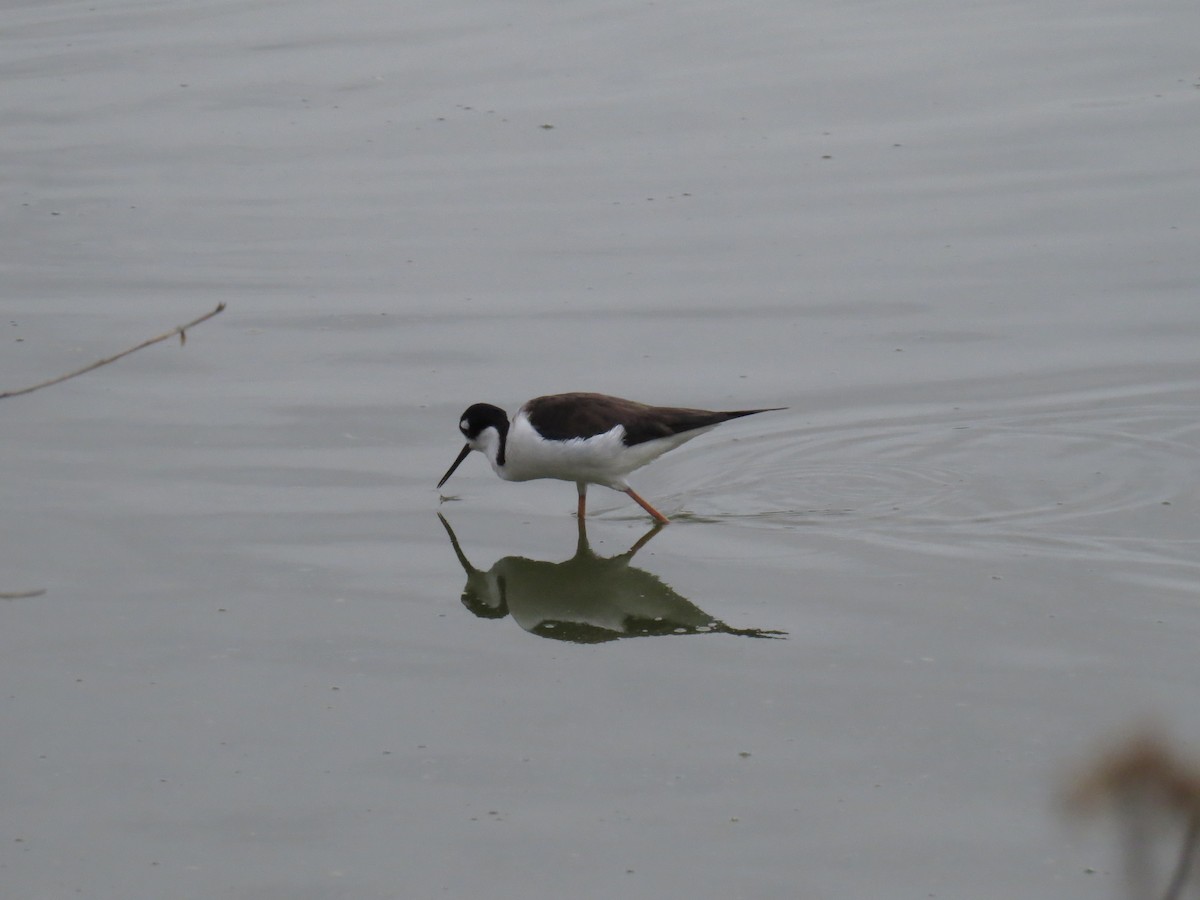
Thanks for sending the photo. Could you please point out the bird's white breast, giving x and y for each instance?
(528, 455)
(601, 459)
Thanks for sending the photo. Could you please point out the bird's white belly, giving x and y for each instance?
(596, 459)
(601, 459)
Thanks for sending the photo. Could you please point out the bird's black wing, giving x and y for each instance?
(563, 417)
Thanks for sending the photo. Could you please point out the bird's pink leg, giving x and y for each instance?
(658, 517)
(582, 486)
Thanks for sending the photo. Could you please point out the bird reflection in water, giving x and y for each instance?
(587, 599)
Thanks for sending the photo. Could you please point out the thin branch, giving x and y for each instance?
(21, 595)
(181, 331)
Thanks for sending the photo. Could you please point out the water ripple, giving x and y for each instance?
(1078, 477)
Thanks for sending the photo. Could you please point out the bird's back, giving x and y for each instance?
(560, 417)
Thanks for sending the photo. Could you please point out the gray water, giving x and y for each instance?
(958, 242)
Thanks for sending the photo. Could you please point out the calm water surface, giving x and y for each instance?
(958, 243)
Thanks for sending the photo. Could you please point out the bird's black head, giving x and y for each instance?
(481, 416)
(474, 422)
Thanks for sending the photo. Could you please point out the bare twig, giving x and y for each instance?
(181, 331)
(21, 595)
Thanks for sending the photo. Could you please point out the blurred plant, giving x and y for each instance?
(1153, 792)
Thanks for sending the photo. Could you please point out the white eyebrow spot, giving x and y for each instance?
(463, 425)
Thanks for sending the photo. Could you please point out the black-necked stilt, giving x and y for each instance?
(584, 438)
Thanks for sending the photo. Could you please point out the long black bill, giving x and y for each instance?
(465, 451)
